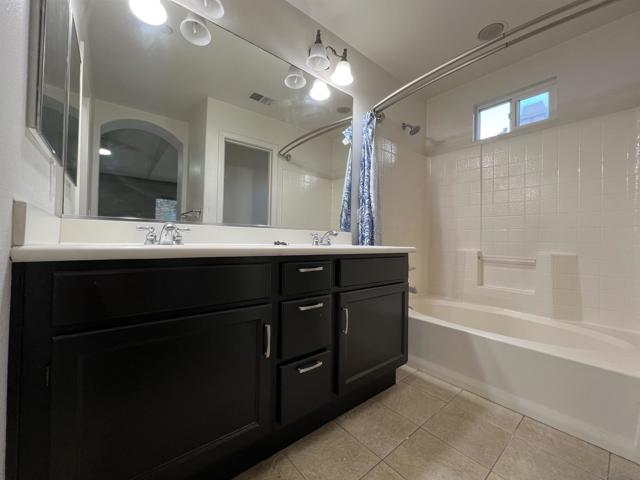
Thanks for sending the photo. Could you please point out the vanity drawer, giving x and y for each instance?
(306, 277)
(90, 296)
(305, 386)
(369, 271)
(305, 326)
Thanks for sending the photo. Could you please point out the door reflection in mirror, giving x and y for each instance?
(139, 170)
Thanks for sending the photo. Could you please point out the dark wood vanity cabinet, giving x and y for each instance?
(174, 369)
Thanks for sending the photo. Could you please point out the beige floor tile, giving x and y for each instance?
(432, 385)
(583, 455)
(471, 434)
(493, 476)
(411, 402)
(492, 412)
(330, 453)
(404, 372)
(277, 467)
(382, 471)
(377, 427)
(622, 469)
(523, 461)
(424, 457)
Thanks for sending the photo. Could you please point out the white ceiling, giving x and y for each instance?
(409, 37)
(158, 71)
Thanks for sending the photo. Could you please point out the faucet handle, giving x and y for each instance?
(151, 238)
(177, 236)
(315, 239)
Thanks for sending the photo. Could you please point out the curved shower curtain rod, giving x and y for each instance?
(443, 71)
(285, 151)
(428, 78)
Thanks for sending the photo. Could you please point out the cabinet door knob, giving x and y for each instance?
(267, 332)
(306, 308)
(318, 364)
(346, 321)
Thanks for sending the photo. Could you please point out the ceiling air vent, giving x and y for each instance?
(261, 98)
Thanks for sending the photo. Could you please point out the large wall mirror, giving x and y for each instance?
(183, 122)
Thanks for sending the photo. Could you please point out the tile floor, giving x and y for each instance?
(426, 429)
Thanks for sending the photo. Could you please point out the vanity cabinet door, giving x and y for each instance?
(372, 336)
(159, 400)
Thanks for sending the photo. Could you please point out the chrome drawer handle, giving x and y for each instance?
(318, 364)
(310, 269)
(267, 351)
(306, 308)
(346, 321)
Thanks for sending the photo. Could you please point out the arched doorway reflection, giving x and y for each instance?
(139, 171)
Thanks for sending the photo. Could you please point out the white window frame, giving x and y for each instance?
(514, 99)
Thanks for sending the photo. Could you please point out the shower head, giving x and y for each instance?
(413, 129)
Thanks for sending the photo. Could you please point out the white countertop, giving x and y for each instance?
(97, 251)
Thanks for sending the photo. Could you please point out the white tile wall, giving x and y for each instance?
(403, 197)
(573, 188)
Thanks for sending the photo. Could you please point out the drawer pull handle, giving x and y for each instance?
(306, 308)
(311, 269)
(346, 321)
(318, 364)
(267, 331)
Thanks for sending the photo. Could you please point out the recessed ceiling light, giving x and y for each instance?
(149, 11)
(491, 31)
(105, 152)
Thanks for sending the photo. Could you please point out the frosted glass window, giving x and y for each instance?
(533, 109)
(494, 120)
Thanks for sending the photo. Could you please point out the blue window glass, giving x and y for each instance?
(533, 109)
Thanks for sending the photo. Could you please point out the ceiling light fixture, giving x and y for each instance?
(320, 90)
(149, 11)
(194, 30)
(104, 152)
(212, 8)
(318, 59)
(295, 78)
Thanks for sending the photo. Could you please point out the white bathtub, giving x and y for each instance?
(581, 381)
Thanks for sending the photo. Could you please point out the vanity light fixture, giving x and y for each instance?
(319, 60)
(213, 8)
(342, 74)
(104, 152)
(320, 91)
(149, 11)
(194, 30)
(295, 78)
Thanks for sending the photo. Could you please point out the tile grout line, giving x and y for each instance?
(507, 445)
(609, 467)
(286, 455)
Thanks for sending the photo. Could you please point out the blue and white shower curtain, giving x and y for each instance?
(368, 188)
(345, 213)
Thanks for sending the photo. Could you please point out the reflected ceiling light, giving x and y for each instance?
(213, 8)
(149, 11)
(105, 152)
(295, 78)
(317, 59)
(342, 74)
(194, 30)
(320, 90)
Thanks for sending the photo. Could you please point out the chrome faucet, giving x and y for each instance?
(324, 239)
(171, 234)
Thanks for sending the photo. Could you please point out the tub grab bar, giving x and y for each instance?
(523, 261)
